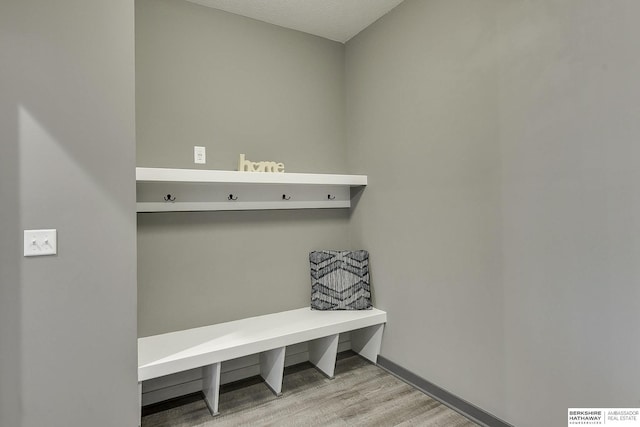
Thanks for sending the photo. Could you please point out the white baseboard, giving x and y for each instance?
(186, 382)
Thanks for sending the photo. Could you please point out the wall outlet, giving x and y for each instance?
(199, 155)
(40, 242)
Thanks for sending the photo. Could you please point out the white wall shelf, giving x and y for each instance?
(180, 190)
(217, 176)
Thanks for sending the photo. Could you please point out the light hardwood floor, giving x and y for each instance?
(361, 394)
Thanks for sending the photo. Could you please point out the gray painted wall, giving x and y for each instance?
(500, 139)
(67, 322)
(10, 236)
(422, 120)
(197, 269)
(233, 85)
(569, 135)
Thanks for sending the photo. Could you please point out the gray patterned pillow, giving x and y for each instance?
(340, 280)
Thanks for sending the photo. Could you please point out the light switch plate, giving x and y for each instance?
(40, 242)
(199, 155)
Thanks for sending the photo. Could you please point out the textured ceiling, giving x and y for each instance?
(337, 20)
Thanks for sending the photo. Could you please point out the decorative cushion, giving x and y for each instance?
(340, 280)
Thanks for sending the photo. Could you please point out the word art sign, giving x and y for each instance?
(245, 165)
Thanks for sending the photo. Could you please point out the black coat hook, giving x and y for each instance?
(285, 197)
(231, 197)
(330, 197)
(169, 198)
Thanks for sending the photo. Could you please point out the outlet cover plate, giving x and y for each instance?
(199, 155)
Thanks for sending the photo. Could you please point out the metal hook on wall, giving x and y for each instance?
(169, 198)
(285, 197)
(330, 197)
(231, 197)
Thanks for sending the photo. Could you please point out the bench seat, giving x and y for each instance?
(267, 335)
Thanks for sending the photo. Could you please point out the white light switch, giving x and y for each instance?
(199, 154)
(40, 242)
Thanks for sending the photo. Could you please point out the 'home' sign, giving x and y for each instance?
(249, 166)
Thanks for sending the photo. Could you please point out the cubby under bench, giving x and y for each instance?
(207, 347)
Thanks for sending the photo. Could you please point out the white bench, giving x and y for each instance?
(268, 335)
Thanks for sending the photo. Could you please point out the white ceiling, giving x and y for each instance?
(337, 20)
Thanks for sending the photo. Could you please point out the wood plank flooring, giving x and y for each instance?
(361, 394)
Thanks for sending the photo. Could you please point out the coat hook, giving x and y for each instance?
(231, 197)
(285, 197)
(169, 198)
(330, 197)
